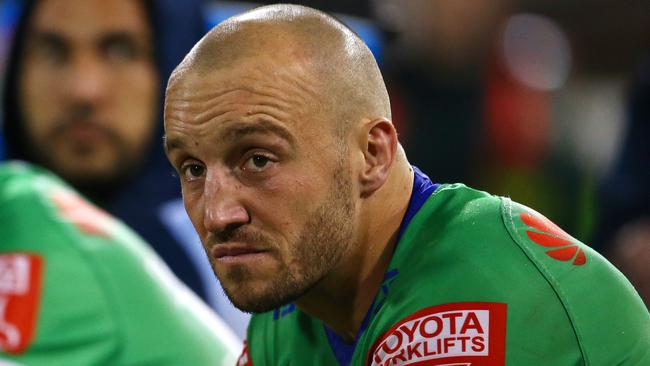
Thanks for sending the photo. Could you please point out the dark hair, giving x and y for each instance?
(14, 133)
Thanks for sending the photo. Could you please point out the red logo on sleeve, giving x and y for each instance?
(562, 246)
(464, 333)
(88, 218)
(20, 291)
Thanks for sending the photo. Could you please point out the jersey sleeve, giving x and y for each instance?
(610, 321)
(161, 321)
(79, 288)
(53, 309)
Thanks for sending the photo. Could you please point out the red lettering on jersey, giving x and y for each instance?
(451, 334)
(471, 322)
(245, 358)
(20, 292)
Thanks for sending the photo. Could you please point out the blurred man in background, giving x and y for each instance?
(82, 98)
(79, 288)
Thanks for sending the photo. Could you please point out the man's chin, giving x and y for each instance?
(90, 177)
(253, 300)
(79, 170)
(84, 163)
(256, 305)
(260, 297)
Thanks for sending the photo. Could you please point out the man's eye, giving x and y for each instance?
(257, 163)
(124, 47)
(260, 161)
(50, 51)
(54, 54)
(121, 50)
(192, 171)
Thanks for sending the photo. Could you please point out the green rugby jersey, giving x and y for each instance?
(77, 288)
(477, 280)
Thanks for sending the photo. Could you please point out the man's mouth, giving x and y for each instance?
(236, 252)
(86, 133)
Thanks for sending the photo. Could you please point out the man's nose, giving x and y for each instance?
(223, 209)
(88, 79)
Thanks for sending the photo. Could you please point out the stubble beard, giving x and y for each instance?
(321, 244)
(78, 163)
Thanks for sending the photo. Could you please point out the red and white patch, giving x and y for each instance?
(245, 358)
(457, 334)
(20, 292)
(86, 217)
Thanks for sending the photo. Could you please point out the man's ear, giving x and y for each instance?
(379, 145)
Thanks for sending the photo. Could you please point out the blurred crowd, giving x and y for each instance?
(547, 102)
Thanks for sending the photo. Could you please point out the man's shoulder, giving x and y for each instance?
(571, 267)
(41, 213)
(609, 319)
(44, 218)
(23, 187)
(456, 203)
(465, 217)
(40, 251)
(492, 263)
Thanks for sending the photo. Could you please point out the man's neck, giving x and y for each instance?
(342, 303)
(342, 299)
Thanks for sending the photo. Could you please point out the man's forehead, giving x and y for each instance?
(249, 74)
(258, 63)
(245, 94)
(88, 17)
(250, 98)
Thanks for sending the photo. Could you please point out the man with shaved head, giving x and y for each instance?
(278, 122)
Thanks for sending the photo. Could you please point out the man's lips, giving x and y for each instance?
(220, 251)
(84, 133)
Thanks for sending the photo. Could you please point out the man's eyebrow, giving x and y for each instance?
(38, 37)
(134, 38)
(235, 132)
(241, 130)
(170, 144)
(117, 37)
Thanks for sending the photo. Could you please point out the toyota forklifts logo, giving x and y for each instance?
(467, 333)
